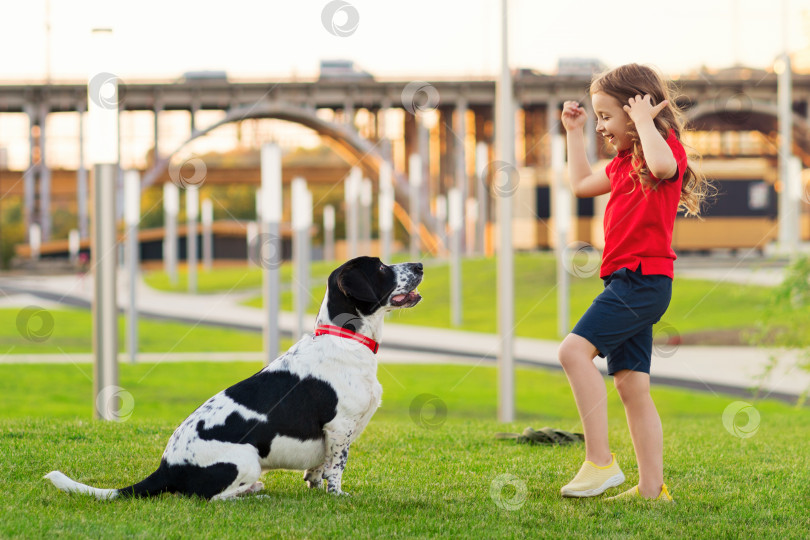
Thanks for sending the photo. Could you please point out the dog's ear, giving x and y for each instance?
(353, 283)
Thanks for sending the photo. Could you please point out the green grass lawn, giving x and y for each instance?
(70, 331)
(697, 306)
(411, 474)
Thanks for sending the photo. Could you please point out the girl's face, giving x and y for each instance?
(611, 121)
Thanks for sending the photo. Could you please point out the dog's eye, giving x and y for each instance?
(382, 268)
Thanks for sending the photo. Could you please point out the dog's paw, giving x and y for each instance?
(313, 478)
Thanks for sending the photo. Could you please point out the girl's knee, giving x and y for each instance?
(574, 349)
(631, 385)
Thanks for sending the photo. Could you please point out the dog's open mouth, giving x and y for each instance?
(409, 299)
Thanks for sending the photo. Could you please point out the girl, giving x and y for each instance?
(648, 181)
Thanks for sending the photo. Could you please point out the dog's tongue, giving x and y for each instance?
(399, 297)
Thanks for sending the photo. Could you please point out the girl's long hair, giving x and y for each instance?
(630, 80)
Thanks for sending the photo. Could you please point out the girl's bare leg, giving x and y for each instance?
(576, 356)
(645, 429)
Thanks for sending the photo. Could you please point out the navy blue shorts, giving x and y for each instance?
(620, 320)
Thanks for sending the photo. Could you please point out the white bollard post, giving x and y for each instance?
(74, 245)
(329, 233)
(171, 208)
(207, 212)
(385, 218)
(365, 213)
(271, 258)
(415, 181)
(253, 246)
(299, 218)
(481, 167)
(441, 218)
(562, 222)
(455, 212)
(192, 213)
(35, 240)
(132, 216)
(472, 225)
(352, 194)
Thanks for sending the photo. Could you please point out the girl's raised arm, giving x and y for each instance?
(584, 182)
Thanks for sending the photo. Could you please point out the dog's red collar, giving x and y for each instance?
(348, 334)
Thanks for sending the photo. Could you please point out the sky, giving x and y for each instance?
(256, 39)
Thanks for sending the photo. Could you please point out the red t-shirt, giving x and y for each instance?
(639, 221)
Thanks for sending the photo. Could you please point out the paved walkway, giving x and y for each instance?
(716, 369)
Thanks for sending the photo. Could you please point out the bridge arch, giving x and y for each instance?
(346, 142)
(740, 111)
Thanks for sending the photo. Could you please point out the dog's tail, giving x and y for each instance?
(71, 486)
(152, 485)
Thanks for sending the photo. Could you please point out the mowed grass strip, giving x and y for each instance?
(429, 472)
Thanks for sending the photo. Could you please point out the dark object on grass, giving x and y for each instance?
(545, 435)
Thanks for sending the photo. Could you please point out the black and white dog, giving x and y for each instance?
(300, 412)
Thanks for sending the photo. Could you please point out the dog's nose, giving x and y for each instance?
(417, 267)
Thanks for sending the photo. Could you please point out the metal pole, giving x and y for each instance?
(562, 225)
(271, 269)
(481, 162)
(504, 131)
(132, 215)
(455, 213)
(299, 201)
(192, 213)
(105, 309)
(171, 207)
(415, 181)
(103, 144)
(207, 210)
(385, 218)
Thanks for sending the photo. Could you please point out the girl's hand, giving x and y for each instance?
(573, 116)
(641, 108)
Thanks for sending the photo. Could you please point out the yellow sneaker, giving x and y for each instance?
(593, 480)
(633, 493)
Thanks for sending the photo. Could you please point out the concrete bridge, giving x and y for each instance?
(732, 100)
